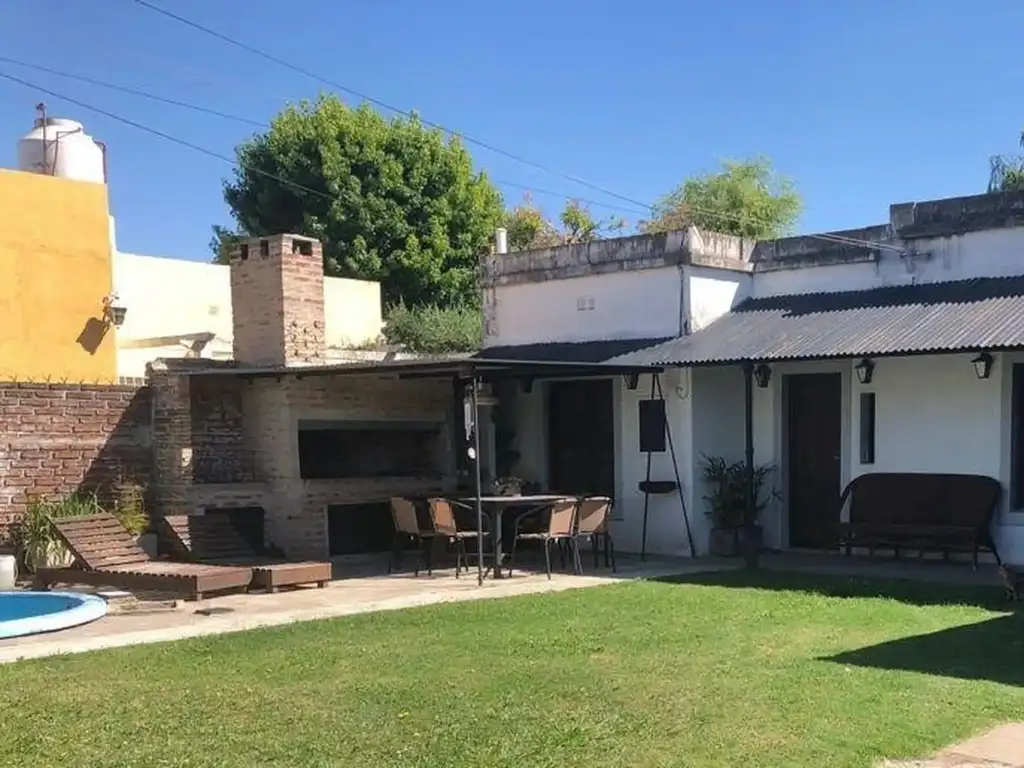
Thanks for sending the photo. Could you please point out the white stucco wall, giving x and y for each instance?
(711, 293)
(988, 253)
(173, 297)
(623, 305)
(932, 415)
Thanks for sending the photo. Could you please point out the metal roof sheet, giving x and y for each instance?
(568, 351)
(963, 315)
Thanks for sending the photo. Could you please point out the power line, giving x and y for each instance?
(166, 136)
(133, 92)
(381, 103)
(264, 125)
(721, 215)
(465, 137)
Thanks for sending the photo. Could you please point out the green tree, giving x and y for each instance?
(744, 197)
(389, 199)
(529, 229)
(431, 329)
(1006, 172)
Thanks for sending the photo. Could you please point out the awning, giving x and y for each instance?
(956, 316)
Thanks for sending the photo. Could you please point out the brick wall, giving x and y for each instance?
(219, 453)
(56, 439)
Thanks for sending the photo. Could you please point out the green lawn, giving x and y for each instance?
(729, 670)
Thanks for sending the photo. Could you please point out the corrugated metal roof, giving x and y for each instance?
(963, 315)
(567, 351)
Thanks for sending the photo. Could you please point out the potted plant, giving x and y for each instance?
(129, 507)
(734, 530)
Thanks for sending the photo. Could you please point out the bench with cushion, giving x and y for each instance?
(921, 511)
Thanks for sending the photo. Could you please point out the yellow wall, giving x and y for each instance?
(55, 270)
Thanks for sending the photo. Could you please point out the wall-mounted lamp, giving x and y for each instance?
(527, 386)
(113, 311)
(762, 375)
(983, 365)
(632, 380)
(865, 370)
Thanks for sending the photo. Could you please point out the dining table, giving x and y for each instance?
(496, 506)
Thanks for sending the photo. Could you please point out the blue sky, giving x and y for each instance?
(862, 102)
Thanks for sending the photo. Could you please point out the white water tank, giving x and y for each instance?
(59, 147)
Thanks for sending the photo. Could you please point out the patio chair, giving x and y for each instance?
(407, 527)
(561, 528)
(106, 555)
(214, 539)
(592, 523)
(443, 517)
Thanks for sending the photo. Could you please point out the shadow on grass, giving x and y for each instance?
(834, 585)
(992, 649)
(988, 650)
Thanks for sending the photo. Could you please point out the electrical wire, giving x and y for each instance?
(840, 239)
(383, 104)
(264, 125)
(721, 215)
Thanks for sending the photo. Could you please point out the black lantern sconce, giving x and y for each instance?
(113, 311)
(763, 376)
(527, 386)
(632, 381)
(865, 370)
(983, 365)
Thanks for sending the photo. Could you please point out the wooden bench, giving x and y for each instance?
(921, 511)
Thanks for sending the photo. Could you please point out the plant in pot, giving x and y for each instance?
(733, 529)
(129, 507)
(37, 544)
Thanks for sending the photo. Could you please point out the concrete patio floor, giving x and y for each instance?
(362, 586)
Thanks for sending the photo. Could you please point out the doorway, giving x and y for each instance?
(814, 458)
(581, 437)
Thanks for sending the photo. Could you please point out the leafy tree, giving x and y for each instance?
(1006, 172)
(435, 330)
(529, 229)
(389, 199)
(745, 198)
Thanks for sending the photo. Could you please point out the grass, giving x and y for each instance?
(725, 670)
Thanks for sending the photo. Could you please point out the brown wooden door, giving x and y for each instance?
(581, 437)
(814, 404)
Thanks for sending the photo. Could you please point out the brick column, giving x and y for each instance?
(172, 439)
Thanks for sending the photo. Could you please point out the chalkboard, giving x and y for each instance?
(652, 426)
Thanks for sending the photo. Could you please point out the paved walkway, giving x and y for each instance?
(153, 622)
(1001, 747)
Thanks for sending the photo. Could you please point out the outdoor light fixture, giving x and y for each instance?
(865, 370)
(762, 375)
(983, 365)
(527, 386)
(632, 380)
(113, 312)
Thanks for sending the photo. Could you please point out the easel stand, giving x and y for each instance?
(656, 391)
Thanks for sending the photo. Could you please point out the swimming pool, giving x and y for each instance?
(30, 613)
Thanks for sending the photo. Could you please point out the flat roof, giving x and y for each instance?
(463, 367)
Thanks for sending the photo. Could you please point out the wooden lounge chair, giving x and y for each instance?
(214, 539)
(106, 555)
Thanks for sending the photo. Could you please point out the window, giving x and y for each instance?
(867, 428)
(1017, 439)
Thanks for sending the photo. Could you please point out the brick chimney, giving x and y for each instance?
(277, 301)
